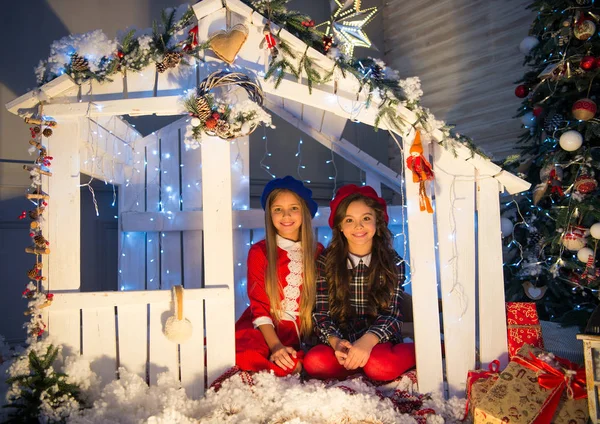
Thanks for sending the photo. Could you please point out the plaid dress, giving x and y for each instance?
(387, 325)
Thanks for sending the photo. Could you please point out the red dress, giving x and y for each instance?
(252, 352)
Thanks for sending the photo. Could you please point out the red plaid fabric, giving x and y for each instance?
(387, 325)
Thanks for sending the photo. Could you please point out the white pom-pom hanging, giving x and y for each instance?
(584, 254)
(528, 43)
(506, 226)
(571, 141)
(195, 122)
(595, 230)
(178, 329)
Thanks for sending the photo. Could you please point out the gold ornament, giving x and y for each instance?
(584, 109)
(227, 44)
(346, 25)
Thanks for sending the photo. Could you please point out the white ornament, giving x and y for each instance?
(571, 141)
(527, 44)
(528, 120)
(506, 227)
(195, 122)
(584, 254)
(177, 328)
(595, 230)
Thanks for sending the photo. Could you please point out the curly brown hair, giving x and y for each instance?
(382, 275)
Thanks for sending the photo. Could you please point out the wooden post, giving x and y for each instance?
(218, 255)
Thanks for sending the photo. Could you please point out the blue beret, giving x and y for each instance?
(291, 184)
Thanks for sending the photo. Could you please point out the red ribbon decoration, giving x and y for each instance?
(473, 376)
(554, 182)
(570, 377)
(270, 40)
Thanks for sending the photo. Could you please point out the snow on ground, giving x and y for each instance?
(267, 399)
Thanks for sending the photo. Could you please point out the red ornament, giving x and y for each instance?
(537, 111)
(584, 109)
(308, 24)
(587, 63)
(216, 115)
(521, 91)
(210, 123)
(120, 54)
(269, 38)
(586, 184)
(50, 296)
(23, 215)
(193, 37)
(327, 43)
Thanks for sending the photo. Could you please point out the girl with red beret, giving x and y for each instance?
(281, 282)
(358, 311)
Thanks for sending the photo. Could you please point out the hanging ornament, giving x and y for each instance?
(584, 29)
(195, 121)
(585, 184)
(308, 24)
(587, 63)
(521, 91)
(346, 26)
(506, 227)
(595, 230)
(226, 44)
(553, 122)
(575, 238)
(584, 109)
(528, 120)
(421, 170)
(564, 34)
(192, 41)
(555, 181)
(533, 292)
(528, 44)
(571, 141)
(584, 254)
(538, 111)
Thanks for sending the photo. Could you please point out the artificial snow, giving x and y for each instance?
(269, 399)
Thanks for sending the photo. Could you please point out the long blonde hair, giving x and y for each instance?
(272, 283)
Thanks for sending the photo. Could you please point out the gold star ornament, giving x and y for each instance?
(346, 25)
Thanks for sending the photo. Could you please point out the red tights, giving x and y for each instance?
(387, 362)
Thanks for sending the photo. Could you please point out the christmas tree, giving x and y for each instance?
(551, 232)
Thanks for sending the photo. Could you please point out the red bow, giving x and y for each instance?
(193, 37)
(569, 377)
(473, 376)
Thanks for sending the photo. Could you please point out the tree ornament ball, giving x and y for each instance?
(195, 122)
(528, 44)
(570, 141)
(585, 184)
(506, 227)
(584, 109)
(538, 111)
(587, 63)
(584, 254)
(584, 29)
(595, 230)
(521, 91)
(575, 239)
(528, 120)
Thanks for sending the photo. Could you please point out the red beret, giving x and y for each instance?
(349, 189)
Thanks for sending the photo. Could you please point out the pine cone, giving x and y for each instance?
(47, 132)
(160, 67)
(203, 108)
(172, 59)
(40, 241)
(79, 63)
(553, 121)
(33, 273)
(222, 129)
(34, 215)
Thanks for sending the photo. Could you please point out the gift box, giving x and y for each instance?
(535, 388)
(479, 382)
(523, 326)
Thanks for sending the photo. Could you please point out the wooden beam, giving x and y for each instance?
(29, 100)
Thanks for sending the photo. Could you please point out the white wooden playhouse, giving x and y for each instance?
(184, 219)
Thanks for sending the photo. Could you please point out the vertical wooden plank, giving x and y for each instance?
(240, 192)
(191, 193)
(132, 324)
(64, 326)
(218, 257)
(333, 125)
(132, 258)
(170, 269)
(492, 315)
(192, 351)
(455, 218)
(374, 181)
(99, 343)
(294, 107)
(424, 286)
(151, 200)
(62, 218)
(314, 117)
(163, 355)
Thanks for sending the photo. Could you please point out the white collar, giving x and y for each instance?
(286, 244)
(353, 260)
